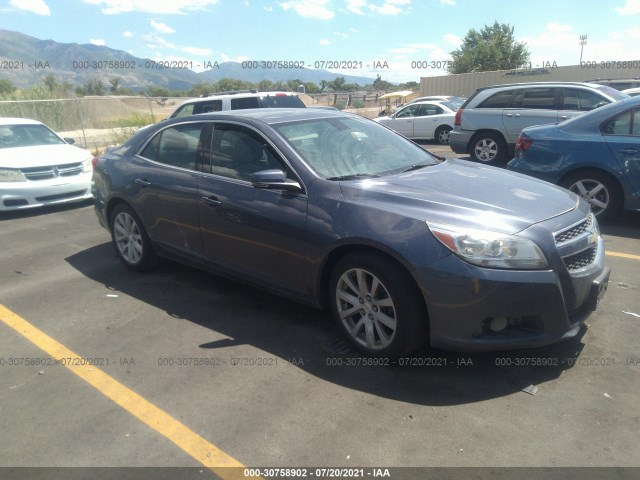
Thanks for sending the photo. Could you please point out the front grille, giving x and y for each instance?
(580, 259)
(45, 173)
(575, 231)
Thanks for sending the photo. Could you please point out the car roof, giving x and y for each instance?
(237, 94)
(543, 84)
(268, 115)
(18, 121)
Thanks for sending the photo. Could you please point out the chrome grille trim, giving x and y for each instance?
(575, 231)
(579, 244)
(44, 173)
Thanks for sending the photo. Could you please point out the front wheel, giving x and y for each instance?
(377, 305)
(131, 240)
(600, 191)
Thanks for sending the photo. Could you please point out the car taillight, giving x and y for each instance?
(458, 118)
(94, 160)
(523, 143)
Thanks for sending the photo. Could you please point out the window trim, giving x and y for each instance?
(630, 111)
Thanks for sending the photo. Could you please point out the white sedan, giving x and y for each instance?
(37, 167)
(427, 120)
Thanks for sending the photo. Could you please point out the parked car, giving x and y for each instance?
(334, 210)
(237, 100)
(448, 98)
(488, 124)
(37, 167)
(596, 155)
(632, 92)
(431, 120)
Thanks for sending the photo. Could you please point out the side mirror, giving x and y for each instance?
(69, 140)
(274, 180)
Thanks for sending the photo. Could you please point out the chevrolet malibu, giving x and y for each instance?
(337, 211)
(38, 168)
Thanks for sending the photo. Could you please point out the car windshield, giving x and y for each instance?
(12, 136)
(282, 101)
(343, 148)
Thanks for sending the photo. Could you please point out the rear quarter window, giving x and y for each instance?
(498, 100)
(243, 103)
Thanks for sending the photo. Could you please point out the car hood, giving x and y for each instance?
(41, 155)
(465, 194)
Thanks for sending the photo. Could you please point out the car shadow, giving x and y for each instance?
(624, 225)
(308, 338)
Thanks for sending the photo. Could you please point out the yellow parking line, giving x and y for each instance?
(189, 441)
(623, 255)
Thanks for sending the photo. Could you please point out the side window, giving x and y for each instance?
(618, 125)
(242, 103)
(178, 146)
(206, 107)
(581, 100)
(410, 111)
(636, 123)
(539, 98)
(498, 100)
(239, 153)
(428, 110)
(183, 111)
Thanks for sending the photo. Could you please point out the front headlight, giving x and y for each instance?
(87, 166)
(11, 175)
(490, 249)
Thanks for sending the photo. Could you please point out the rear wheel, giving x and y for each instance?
(602, 193)
(442, 134)
(377, 305)
(488, 148)
(131, 240)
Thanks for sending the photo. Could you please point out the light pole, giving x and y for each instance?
(583, 42)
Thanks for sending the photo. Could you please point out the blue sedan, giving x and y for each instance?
(596, 155)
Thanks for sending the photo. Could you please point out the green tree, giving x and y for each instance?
(380, 84)
(115, 85)
(158, 92)
(6, 87)
(50, 82)
(492, 48)
(201, 90)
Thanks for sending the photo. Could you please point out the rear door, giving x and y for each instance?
(164, 185)
(530, 106)
(622, 134)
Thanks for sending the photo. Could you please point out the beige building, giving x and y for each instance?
(621, 75)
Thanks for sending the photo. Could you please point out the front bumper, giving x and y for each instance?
(538, 307)
(31, 194)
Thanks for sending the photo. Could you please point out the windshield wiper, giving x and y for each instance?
(354, 176)
(417, 166)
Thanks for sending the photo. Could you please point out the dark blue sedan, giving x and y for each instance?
(337, 211)
(596, 155)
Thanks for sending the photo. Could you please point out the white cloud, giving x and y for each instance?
(156, 41)
(97, 41)
(227, 58)
(39, 7)
(390, 7)
(268, 8)
(452, 39)
(127, 34)
(355, 6)
(631, 7)
(161, 27)
(324, 41)
(310, 8)
(448, 2)
(113, 7)
(200, 52)
(413, 48)
(341, 34)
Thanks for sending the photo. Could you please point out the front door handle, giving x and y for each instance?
(629, 151)
(142, 182)
(211, 200)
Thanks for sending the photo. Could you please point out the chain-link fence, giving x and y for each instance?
(93, 122)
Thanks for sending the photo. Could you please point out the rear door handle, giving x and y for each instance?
(512, 115)
(629, 151)
(142, 182)
(212, 201)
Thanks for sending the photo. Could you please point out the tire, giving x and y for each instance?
(130, 239)
(442, 134)
(488, 148)
(602, 193)
(377, 305)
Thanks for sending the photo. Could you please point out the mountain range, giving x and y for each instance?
(26, 60)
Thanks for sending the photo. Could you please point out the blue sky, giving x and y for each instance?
(393, 31)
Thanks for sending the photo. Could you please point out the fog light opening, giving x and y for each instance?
(497, 324)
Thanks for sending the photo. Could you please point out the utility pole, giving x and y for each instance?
(583, 42)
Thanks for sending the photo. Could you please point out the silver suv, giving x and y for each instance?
(489, 122)
(238, 100)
